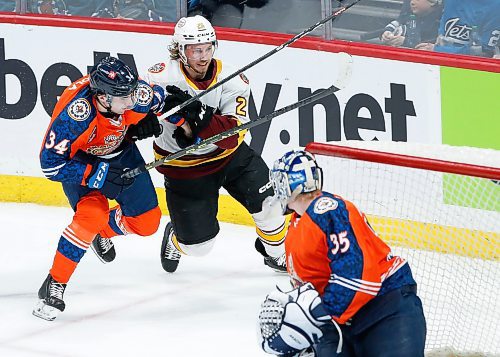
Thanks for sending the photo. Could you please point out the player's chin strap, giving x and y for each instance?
(108, 102)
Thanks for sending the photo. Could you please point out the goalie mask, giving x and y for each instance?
(192, 31)
(295, 173)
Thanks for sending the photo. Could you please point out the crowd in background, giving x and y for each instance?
(452, 26)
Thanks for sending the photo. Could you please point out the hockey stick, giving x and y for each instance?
(333, 16)
(340, 83)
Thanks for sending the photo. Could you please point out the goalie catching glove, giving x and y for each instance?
(290, 322)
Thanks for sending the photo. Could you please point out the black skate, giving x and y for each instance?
(278, 264)
(51, 299)
(169, 254)
(104, 249)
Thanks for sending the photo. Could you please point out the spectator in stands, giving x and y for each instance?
(497, 51)
(225, 13)
(96, 8)
(427, 15)
(122, 9)
(459, 19)
(7, 5)
(136, 9)
(166, 9)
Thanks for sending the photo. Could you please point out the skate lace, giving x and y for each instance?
(56, 290)
(171, 251)
(281, 260)
(105, 244)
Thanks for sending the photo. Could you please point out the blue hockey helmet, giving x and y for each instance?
(294, 173)
(113, 77)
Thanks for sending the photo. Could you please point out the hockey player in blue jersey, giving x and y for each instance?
(87, 146)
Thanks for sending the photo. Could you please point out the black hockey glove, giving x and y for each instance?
(149, 126)
(197, 115)
(198, 118)
(182, 140)
(175, 96)
(107, 179)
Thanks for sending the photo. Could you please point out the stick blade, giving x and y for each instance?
(344, 70)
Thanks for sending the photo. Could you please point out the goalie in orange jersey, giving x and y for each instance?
(352, 297)
(88, 145)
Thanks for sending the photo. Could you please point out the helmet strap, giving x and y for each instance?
(109, 113)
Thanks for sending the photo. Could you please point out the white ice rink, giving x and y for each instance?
(130, 307)
(209, 307)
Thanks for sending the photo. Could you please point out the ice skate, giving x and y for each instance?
(278, 264)
(104, 249)
(170, 256)
(51, 299)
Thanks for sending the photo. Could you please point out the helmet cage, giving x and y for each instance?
(295, 173)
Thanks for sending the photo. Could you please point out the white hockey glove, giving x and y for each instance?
(289, 322)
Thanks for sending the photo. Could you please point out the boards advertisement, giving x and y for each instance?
(385, 100)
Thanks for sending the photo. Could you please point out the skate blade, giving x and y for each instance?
(45, 311)
(97, 254)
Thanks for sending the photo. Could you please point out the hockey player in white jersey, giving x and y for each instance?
(192, 182)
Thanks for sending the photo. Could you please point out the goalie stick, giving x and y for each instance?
(344, 70)
(332, 17)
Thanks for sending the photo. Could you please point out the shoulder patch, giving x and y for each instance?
(244, 78)
(144, 94)
(325, 204)
(157, 68)
(79, 109)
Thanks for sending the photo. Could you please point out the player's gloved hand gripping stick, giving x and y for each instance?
(344, 72)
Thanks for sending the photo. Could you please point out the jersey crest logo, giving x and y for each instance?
(244, 78)
(157, 68)
(144, 94)
(79, 110)
(325, 204)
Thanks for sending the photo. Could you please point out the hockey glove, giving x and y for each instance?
(108, 180)
(197, 115)
(182, 140)
(148, 126)
(175, 96)
(290, 322)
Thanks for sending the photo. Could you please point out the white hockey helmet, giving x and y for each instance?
(294, 173)
(193, 30)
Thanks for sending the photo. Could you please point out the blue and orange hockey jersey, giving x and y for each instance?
(77, 126)
(333, 247)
